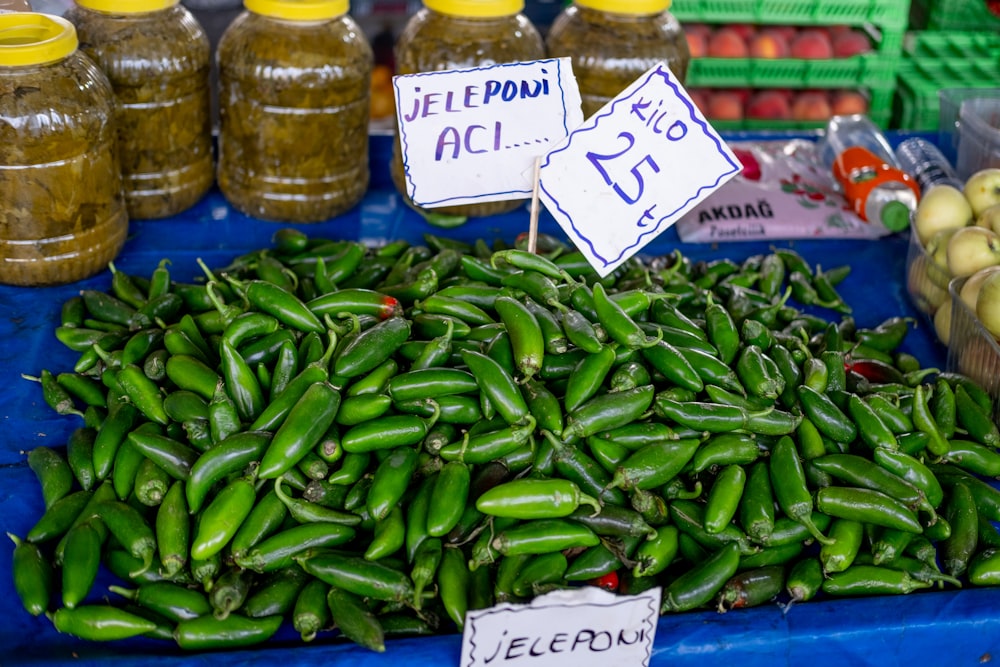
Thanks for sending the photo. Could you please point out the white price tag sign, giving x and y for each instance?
(583, 627)
(468, 135)
(633, 169)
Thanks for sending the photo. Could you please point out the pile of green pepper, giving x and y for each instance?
(378, 440)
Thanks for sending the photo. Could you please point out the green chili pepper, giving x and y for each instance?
(131, 530)
(527, 341)
(871, 580)
(805, 579)
(354, 620)
(724, 497)
(234, 631)
(839, 554)
(960, 511)
(543, 536)
(222, 518)
(700, 584)
(867, 506)
(32, 576)
(655, 464)
(306, 422)
(55, 478)
(100, 623)
(453, 584)
(789, 485)
(977, 422)
(923, 419)
(81, 559)
(356, 575)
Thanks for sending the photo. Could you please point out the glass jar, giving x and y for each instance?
(294, 80)
(157, 57)
(62, 210)
(613, 42)
(458, 34)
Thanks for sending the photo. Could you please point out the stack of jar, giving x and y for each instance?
(294, 79)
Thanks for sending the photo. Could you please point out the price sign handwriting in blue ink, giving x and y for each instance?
(633, 169)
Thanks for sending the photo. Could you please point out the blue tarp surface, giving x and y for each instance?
(927, 628)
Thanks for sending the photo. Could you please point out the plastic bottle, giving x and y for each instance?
(62, 210)
(456, 34)
(926, 163)
(613, 42)
(157, 57)
(861, 160)
(294, 81)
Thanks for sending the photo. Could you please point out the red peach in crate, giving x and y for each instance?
(725, 105)
(769, 43)
(850, 43)
(812, 43)
(769, 105)
(700, 99)
(697, 35)
(846, 102)
(727, 43)
(811, 105)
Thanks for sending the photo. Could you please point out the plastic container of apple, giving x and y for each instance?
(953, 272)
(790, 76)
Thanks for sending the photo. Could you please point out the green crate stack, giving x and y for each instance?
(885, 21)
(934, 60)
(955, 14)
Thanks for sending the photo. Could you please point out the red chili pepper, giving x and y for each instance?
(608, 582)
(873, 370)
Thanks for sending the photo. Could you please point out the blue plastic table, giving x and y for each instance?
(939, 628)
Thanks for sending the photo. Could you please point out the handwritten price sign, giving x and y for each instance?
(468, 135)
(633, 169)
(585, 627)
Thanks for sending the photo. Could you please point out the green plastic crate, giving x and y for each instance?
(882, 13)
(953, 15)
(869, 70)
(950, 44)
(917, 106)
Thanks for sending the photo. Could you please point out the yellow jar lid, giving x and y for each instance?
(476, 8)
(299, 10)
(29, 38)
(636, 7)
(127, 6)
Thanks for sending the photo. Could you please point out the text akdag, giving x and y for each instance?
(473, 138)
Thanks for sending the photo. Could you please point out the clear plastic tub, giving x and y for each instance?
(969, 128)
(972, 350)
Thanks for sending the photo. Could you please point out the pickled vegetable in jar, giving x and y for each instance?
(157, 57)
(62, 210)
(613, 42)
(459, 34)
(294, 80)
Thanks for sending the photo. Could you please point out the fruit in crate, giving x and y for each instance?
(813, 44)
(988, 304)
(769, 104)
(953, 237)
(769, 43)
(982, 189)
(942, 207)
(811, 105)
(847, 102)
(727, 43)
(970, 289)
(971, 249)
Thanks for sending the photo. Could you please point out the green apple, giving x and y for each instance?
(970, 289)
(971, 249)
(988, 304)
(926, 294)
(942, 207)
(990, 218)
(942, 322)
(982, 189)
(937, 253)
